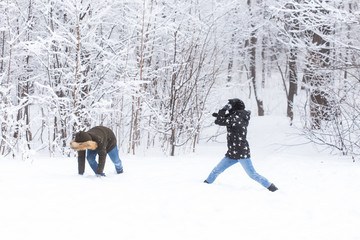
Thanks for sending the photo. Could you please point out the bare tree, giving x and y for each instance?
(252, 48)
(292, 26)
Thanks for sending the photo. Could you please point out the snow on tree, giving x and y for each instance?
(153, 70)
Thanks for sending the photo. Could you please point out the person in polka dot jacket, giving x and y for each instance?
(236, 119)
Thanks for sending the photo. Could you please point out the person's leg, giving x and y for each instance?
(250, 170)
(114, 156)
(223, 164)
(91, 158)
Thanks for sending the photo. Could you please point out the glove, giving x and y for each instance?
(222, 112)
(100, 175)
(227, 107)
(215, 115)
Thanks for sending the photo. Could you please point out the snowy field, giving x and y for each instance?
(161, 197)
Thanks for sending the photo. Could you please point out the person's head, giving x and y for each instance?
(236, 104)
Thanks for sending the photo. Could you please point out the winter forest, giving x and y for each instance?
(154, 71)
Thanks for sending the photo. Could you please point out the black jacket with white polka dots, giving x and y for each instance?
(236, 123)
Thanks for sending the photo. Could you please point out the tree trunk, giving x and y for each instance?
(292, 83)
(292, 26)
(253, 42)
(4, 125)
(319, 99)
(231, 59)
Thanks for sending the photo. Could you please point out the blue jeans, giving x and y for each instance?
(246, 164)
(113, 154)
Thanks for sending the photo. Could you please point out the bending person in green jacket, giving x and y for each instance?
(97, 141)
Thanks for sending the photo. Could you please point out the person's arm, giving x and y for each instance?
(81, 162)
(222, 118)
(102, 158)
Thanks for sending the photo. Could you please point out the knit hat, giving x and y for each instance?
(82, 137)
(236, 104)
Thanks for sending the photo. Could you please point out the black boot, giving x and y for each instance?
(206, 182)
(272, 188)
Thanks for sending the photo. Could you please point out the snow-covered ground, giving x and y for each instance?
(161, 197)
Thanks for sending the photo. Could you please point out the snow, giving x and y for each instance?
(159, 197)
